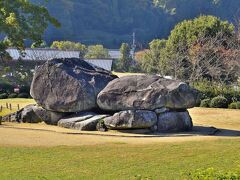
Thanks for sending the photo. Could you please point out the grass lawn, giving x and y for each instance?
(118, 161)
(119, 158)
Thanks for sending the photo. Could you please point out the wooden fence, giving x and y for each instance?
(9, 106)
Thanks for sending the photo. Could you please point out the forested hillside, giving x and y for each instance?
(111, 22)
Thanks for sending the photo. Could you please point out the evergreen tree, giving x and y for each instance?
(126, 58)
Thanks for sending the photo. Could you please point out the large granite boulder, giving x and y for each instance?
(50, 117)
(174, 122)
(68, 85)
(146, 92)
(131, 119)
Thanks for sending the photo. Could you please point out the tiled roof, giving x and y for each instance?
(44, 54)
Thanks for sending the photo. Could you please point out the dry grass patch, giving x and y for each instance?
(220, 118)
(14, 102)
(121, 74)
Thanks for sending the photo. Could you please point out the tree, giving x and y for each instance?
(40, 44)
(216, 59)
(125, 59)
(97, 52)
(21, 20)
(185, 35)
(152, 61)
(72, 46)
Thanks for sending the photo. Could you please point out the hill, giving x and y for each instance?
(111, 22)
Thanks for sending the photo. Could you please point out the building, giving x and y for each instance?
(44, 54)
(114, 53)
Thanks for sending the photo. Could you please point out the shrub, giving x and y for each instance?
(23, 95)
(219, 102)
(101, 126)
(24, 89)
(3, 96)
(5, 87)
(12, 95)
(232, 105)
(212, 89)
(205, 103)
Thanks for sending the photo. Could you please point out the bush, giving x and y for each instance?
(232, 105)
(205, 103)
(238, 105)
(5, 87)
(23, 95)
(24, 89)
(219, 102)
(212, 89)
(3, 96)
(12, 95)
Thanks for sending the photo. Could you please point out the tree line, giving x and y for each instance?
(111, 22)
(203, 48)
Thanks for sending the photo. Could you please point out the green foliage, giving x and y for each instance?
(39, 44)
(21, 20)
(219, 102)
(126, 59)
(152, 61)
(5, 87)
(3, 96)
(213, 174)
(189, 54)
(23, 95)
(184, 36)
(22, 72)
(97, 52)
(210, 89)
(72, 46)
(111, 22)
(107, 22)
(234, 105)
(187, 32)
(12, 95)
(205, 103)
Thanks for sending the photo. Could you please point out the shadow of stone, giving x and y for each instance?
(212, 131)
(196, 131)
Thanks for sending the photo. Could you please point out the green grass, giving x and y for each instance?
(118, 161)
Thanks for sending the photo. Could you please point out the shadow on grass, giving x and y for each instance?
(196, 131)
